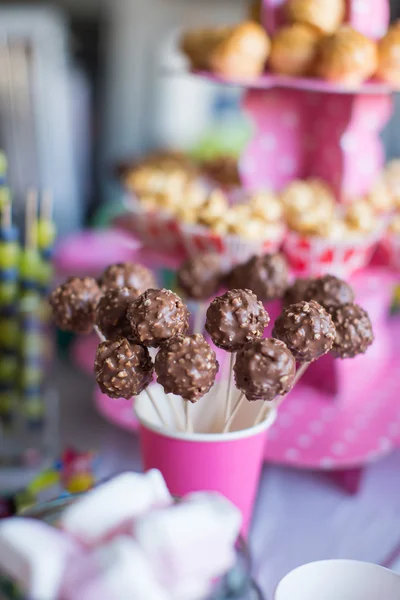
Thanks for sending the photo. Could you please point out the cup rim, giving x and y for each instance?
(230, 436)
(335, 561)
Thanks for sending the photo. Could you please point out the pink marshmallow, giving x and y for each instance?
(110, 508)
(116, 571)
(35, 556)
(191, 543)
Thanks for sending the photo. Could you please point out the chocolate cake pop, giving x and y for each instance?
(296, 292)
(307, 329)
(122, 369)
(264, 369)
(330, 292)
(74, 304)
(111, 312)
(236, 318)
(156, 316)
(267, 276)
(186, 365)
(353, 331)
(130, 275)
(200, 276)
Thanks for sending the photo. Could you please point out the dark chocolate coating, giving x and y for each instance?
(111, 312)
(307, 329)
(264, 369)
(156, 316)
(130, 275)
(122, 369)
(354, 332)
(236, 318)
(74, 304)
(186, 366)
(330, 292)
(199, 277)
(296, 292)
(267, 276)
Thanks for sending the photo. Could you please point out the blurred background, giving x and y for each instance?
(87, 83)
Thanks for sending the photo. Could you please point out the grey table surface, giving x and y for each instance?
(299, 516)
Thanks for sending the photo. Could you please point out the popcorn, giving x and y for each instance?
(266, 206)
(215, 207)
(360, 217)
(125, 497)
(380, 198)
(394, 226)
(35, 556)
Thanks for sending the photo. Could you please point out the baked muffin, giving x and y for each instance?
(198, 44)
(389, 56)
(293, 50)
(242, 54)
(325, 15)
(347, 57)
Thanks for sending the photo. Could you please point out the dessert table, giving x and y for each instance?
(300, 516)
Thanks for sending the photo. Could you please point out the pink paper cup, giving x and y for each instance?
(228, 463)
(339, 580)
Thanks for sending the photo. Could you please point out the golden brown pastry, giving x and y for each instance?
(293, 50)
(198, 44)
(389, 56)
(325, 15)
(242, 54)
(347, 57)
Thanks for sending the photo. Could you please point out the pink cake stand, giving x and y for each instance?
(306, 127)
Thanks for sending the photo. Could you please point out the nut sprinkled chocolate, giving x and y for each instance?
(74, 304)
(199, 277)
(156, 316)
(186, 365)
(122, 369)
(307, 329)
(264, 369)
(111, 312)
(130, 275)
(296, 292)
(330, 292)
(236, 318)
(354, 332)
(267, 276)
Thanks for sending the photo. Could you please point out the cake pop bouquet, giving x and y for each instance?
(144, 333)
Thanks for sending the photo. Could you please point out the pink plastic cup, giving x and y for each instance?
(228, 463)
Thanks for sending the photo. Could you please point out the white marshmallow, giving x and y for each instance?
(108, 508)
(116, 571)
(190, 544)
(35, 556)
